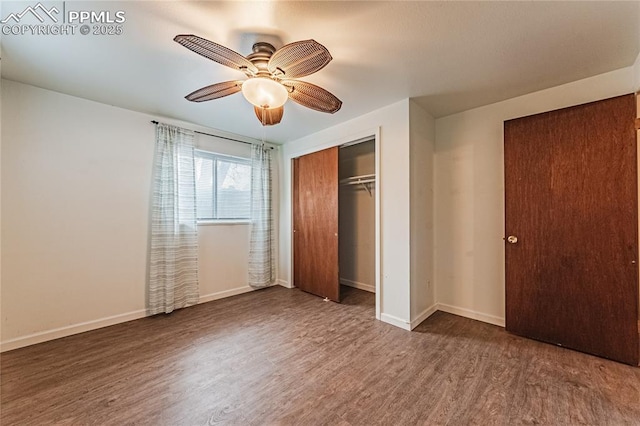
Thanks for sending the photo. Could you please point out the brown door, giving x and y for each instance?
(315, 223)
(571, 202)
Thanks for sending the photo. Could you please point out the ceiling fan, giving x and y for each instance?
(271, 76)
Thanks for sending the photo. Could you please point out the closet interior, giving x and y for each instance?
(356, 215)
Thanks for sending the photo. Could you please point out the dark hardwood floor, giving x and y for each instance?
(280, 356)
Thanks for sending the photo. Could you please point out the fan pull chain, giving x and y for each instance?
(264, 127)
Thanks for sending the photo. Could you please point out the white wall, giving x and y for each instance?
(422, 144)
(76, 179)
(392, 189)
(469, 193)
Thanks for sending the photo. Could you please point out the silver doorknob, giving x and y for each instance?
(512, 239)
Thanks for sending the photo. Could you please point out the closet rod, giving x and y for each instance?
(354, 180)
(221, 137)
(357, 182)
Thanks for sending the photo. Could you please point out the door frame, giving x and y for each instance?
(358, 137)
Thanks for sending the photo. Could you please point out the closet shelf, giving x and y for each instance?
(364, 180)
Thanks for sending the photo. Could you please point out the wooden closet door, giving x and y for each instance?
(315, 223)
(571, 201)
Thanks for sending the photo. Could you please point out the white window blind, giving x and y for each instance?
(223, 186)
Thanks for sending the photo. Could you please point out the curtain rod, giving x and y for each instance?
(218, 136)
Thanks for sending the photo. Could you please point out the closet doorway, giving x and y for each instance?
(335, 220)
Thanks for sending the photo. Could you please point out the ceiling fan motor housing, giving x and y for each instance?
(262, 52)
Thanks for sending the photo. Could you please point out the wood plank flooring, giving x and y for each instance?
(280, 356)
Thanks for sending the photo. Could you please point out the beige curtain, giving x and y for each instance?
(261, 244)
(173, 260)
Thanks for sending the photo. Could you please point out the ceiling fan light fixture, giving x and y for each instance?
(272, 76)
(264, 92)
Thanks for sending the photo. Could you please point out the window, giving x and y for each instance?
(223, 187)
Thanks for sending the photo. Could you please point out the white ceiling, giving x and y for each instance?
(449, 56)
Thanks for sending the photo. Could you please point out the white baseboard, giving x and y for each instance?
(283, 283)
(226, 293)
(424, 315)
(468, 313)
(361, 286)
(56, 333)
(398, 322)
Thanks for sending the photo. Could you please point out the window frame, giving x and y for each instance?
(215, 157)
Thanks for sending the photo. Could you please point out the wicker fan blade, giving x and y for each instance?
(215, 91)
(269, 116)
(299, 59)
(215, 52)
(312, 96)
